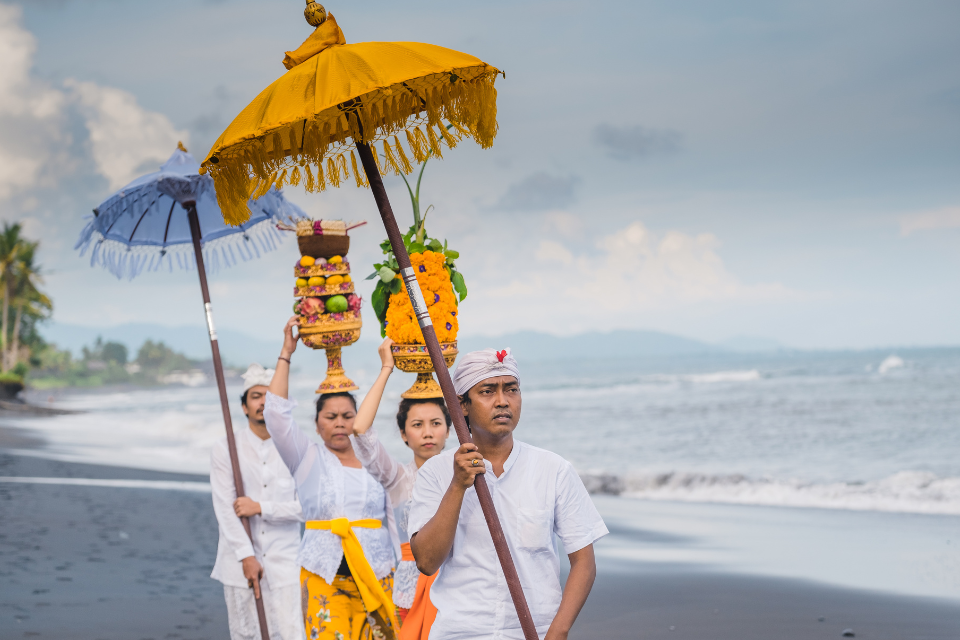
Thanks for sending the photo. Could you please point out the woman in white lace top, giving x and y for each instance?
(424, 426)
(350, 546)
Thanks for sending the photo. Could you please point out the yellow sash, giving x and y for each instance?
(367, 583)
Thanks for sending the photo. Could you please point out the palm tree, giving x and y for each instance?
(26, 297)
(11, 244)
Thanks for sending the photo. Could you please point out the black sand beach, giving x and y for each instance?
(84, 562)
(90, 562)
(651, 602)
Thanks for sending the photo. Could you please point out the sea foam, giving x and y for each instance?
(903, 492)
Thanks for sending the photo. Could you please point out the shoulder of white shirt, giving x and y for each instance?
(431, 465)
(543, 453)
(443, 458)
(238, 436)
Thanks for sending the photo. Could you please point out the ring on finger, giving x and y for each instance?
(475, 462)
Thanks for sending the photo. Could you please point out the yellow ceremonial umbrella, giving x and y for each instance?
(303, 127)
(337, 99)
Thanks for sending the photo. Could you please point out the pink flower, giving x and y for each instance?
(310, 306)
(354, 302)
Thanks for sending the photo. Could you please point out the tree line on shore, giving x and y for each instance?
(26, 358)
(110, 363)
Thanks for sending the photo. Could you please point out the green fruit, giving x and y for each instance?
(337, 304)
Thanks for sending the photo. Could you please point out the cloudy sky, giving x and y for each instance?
(784, 169)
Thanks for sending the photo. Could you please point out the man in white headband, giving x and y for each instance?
(273, 509)
(537, 494)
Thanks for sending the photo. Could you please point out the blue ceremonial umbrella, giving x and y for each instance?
(142, 227)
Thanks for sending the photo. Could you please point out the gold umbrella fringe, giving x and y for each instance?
(314, 152)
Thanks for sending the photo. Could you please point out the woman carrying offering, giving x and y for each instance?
(350, 544)
(424, 426)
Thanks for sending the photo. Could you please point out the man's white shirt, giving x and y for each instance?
(276, 532)
(537, 496)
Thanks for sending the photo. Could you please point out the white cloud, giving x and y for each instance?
(30, 123)
(946, 218)
(550, 251)
(16, 170)
(641, 267)
(634, 271)
(126, 140)
(20, 94)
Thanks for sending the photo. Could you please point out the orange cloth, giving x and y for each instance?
(418, 620)
(326, 35)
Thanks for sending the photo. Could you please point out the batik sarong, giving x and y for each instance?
(336, 612)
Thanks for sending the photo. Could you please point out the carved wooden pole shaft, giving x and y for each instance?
(446, 384)
(191, 208)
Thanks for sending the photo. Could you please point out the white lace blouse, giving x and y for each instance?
(398, 480)
(321, 483)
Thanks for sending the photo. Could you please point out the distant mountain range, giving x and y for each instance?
(239, 349)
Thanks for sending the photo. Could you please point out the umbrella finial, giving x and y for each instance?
(181, 147)
(315, 14)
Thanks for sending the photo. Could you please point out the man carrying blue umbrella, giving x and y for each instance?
(171, 217)
(267, 565)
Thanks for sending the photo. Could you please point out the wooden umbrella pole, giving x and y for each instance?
(446, 384)
(191, 208)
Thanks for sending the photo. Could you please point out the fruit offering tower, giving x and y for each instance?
(327, 307)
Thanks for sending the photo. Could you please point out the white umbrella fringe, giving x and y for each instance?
(125, 261)
(144, 226)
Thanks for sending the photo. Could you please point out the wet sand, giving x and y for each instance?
(652, 601)
(91, 562)
(80, 562)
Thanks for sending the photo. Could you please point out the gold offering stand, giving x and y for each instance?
(329, 335)
(332, 341)
(414, 358)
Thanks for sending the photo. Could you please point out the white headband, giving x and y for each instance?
(478, 366)
(256, 375)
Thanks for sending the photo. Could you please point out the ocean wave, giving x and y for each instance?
(722, 376)
(593, 388)
(903, 492)
(715, 377)
(889, 364)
